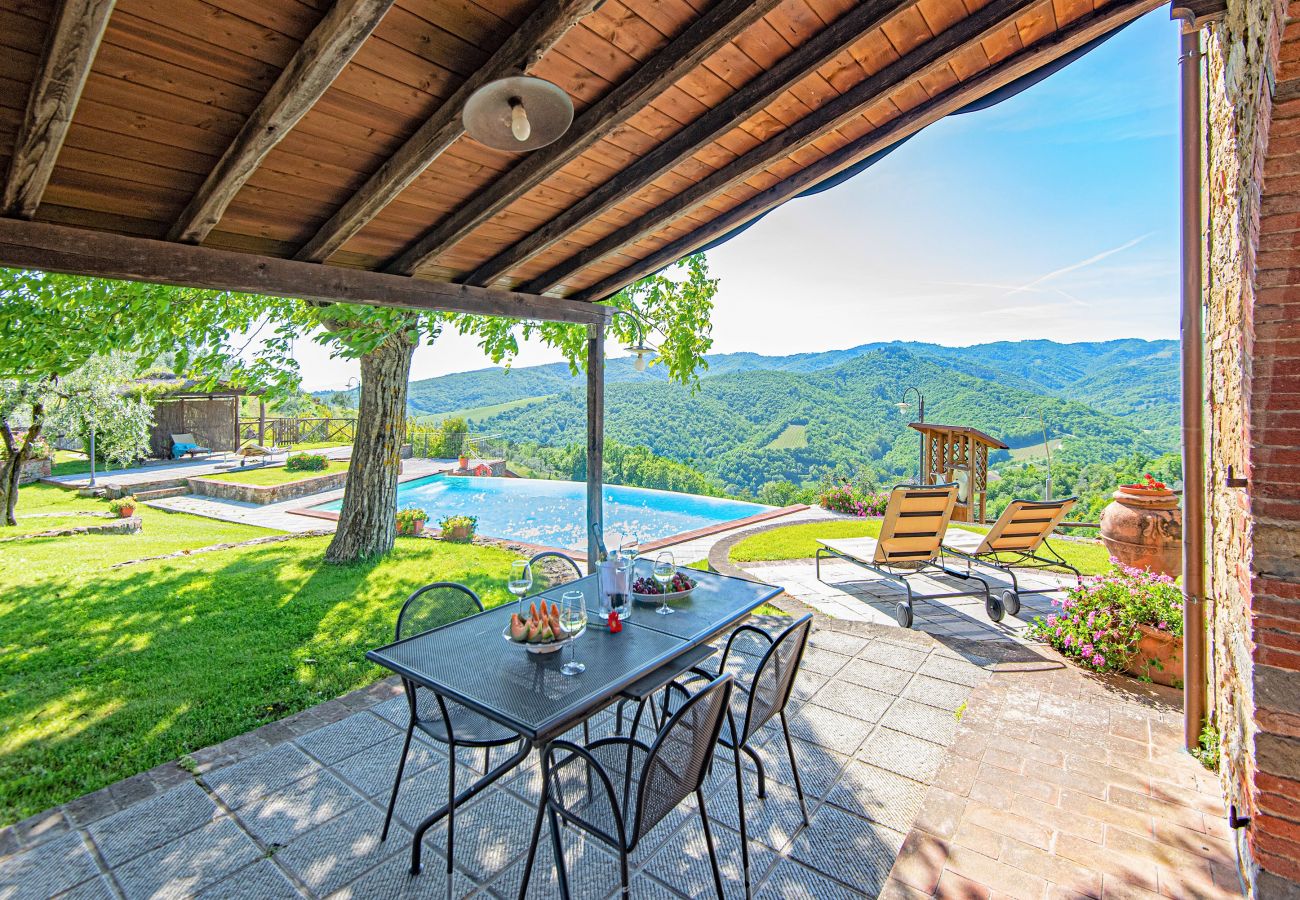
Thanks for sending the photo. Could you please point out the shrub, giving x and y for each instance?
(410, 518)
(459, 528)
(844, 498)
(1098, 623)
(307, 462)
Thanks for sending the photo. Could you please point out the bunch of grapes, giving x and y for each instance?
(680, 582)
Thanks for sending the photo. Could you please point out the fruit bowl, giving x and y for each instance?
(539, 631)
(646, 590)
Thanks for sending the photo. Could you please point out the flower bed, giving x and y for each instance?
(1129, 620)
(845, 498)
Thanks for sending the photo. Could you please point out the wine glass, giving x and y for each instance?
(664, 571)
(629, 546)
(573, 620)
(521, 581)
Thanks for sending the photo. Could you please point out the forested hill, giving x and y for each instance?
(797, 418)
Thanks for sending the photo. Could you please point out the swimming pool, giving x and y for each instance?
(554, 513)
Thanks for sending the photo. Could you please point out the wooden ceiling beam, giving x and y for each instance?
(704, 37)
(70, 48)
(320, 59)
(1075, 35)
(549, 22)
(749, 99)
(78, 251)
(962, 35)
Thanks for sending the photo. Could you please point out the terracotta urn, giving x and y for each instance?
(1143, 528)
(463, 462)
(1159, 656)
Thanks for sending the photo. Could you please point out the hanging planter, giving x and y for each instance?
(1143, 528)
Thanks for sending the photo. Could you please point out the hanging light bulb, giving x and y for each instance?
(519, 124)
(640, 362)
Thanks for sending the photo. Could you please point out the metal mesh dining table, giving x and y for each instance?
(471, 662)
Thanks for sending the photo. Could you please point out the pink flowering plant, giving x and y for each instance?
(1098, 623)
(845, 498)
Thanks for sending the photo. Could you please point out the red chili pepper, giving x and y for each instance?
(615, 626)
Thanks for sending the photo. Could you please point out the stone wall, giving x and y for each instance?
(267, 493)
(1253, 342)
(34, 470)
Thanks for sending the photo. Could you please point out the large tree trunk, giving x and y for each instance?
(15, 455)
(367, 523)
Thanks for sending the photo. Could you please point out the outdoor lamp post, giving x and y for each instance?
(1047, 448)
(920, 453)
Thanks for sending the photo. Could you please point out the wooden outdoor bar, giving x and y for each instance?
(317, 149)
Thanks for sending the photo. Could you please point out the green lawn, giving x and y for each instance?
(267, 475)
(104, 673)
(792, 438)
(800, 541)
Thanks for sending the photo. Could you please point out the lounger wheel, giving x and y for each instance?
(993, 606)
(903, 613)
(1011, 602)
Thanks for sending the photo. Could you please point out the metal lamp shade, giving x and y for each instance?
(488, 113)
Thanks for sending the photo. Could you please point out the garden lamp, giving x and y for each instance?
(517, 114)
(639, 347)
(903, 408)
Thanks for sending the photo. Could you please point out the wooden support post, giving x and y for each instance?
(261, 422)
(595, 437)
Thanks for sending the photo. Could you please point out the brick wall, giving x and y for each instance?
(1253, 374)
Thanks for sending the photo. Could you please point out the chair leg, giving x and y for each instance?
(561, 872)
(537, 828)
(397, 782)
(451, 805)
(744, 833)
(758, 764)
(624, 877)
(708, 842)
(487, 759)
(794, 767)
(618, 716)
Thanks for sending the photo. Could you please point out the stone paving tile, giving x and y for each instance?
(828, 728)
(330, 856)
(260, 881)
(186, 865)
(926, 722)
(95, 889)
(879, 795)
(903, 754)
(848, 849)
(854, 700)
(791, 881)
(47, 869)
(683, 861)
(772, 821)
(947, 695)
(899, 657)
(490, 834)
(265, 773)
(392, 880)
(152, 823)
(278, 818)
(886, 679)
(372, 770)
(592, 869)
(346, 738)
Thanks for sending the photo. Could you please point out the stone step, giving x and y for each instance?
(159, 493)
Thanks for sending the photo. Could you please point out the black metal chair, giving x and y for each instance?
(442, 720)
(655, 780)
(565, 562)
(756, 703)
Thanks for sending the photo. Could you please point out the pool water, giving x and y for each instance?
(554, 513)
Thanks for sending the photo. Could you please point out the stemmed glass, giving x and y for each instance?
(573, 619)
(629, 546)
(664, 571)
(521, 582)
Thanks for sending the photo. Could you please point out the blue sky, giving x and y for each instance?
(1052, 215)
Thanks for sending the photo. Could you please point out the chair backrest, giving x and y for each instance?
(558, 572)
(436, 604)
(774, 678)
(916, 518)
(183, 439)
(1025, 524)
(679, 758)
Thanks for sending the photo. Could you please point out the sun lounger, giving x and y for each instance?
(1018, 538)
(185, 445)
(911, 534)
(258, 451)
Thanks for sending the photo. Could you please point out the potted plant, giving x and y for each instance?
(458, 529)
(466, 451)
(1129, 620)
(1143, 527)
(410, 521)
(123, 507)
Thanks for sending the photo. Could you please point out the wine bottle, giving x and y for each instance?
(601, 554)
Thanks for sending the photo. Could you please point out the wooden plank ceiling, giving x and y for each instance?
(328, 131)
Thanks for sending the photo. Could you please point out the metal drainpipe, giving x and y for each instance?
(1193, 409)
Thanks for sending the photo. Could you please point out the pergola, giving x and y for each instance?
(315, 148)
